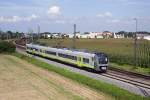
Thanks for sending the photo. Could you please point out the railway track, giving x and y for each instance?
(142, 84)
(139, 80)
(130, 73)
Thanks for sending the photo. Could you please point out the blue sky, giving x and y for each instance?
(60, 15)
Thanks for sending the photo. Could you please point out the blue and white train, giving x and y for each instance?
(96, 61)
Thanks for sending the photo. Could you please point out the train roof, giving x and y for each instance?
(83, 53)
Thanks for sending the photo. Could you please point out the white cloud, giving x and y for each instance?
(32, 17)
(54, 11)
(106, 14)
(17, 18)
(115, 21)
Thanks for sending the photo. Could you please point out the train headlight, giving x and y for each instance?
(106, 59)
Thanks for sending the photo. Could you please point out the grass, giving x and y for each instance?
(109, 46)
(117, 93)
(23, 77)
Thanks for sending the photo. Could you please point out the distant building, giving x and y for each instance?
(71, 35)
(143, 36)
(46, 35)
(51, 35)
(117, 36)
(146, 37)
(92, 35)
(56, 35)
(78, 35)
(140, 36)
(107, 34)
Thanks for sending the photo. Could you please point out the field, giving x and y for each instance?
(104, 45)
(120, 51)
(20, 80)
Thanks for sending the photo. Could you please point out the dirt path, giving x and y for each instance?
(20, 80)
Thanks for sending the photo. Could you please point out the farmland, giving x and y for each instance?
(120, 51)
(110, 46)
(21, 80)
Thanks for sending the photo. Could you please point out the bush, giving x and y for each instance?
(7, 47)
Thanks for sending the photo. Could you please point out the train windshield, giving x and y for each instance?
(102, 58)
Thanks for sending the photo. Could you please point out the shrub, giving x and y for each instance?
(7, 47)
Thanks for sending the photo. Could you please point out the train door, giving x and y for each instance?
(43, 53)
(79, 61)
(96, 63)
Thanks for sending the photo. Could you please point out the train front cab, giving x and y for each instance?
(101, 62)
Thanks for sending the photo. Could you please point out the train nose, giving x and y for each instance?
(103, 67)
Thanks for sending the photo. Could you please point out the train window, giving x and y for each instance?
(50, 52)
(85, 60)
(61, 55)
(36, 49)
(67, 56)
(75, 58)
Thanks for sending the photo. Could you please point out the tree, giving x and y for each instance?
(122, 32)
(9, 34)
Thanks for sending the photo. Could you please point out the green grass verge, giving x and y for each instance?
(117, 93)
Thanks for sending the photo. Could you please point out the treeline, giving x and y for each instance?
(132, 34)
(10, 35)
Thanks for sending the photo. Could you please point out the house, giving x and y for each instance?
(107, 34)
(117, 36)
(146, 37)
(78, 35)
(85, 35)
(46, 35)
(56, 35)
(140, 36)
(91, 35)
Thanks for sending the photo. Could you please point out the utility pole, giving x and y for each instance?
(38, 31)
(7, 36)
(0, 34)
(31, 34)
(74, 38)
(135, 43)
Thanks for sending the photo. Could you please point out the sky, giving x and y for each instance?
(88, 15)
